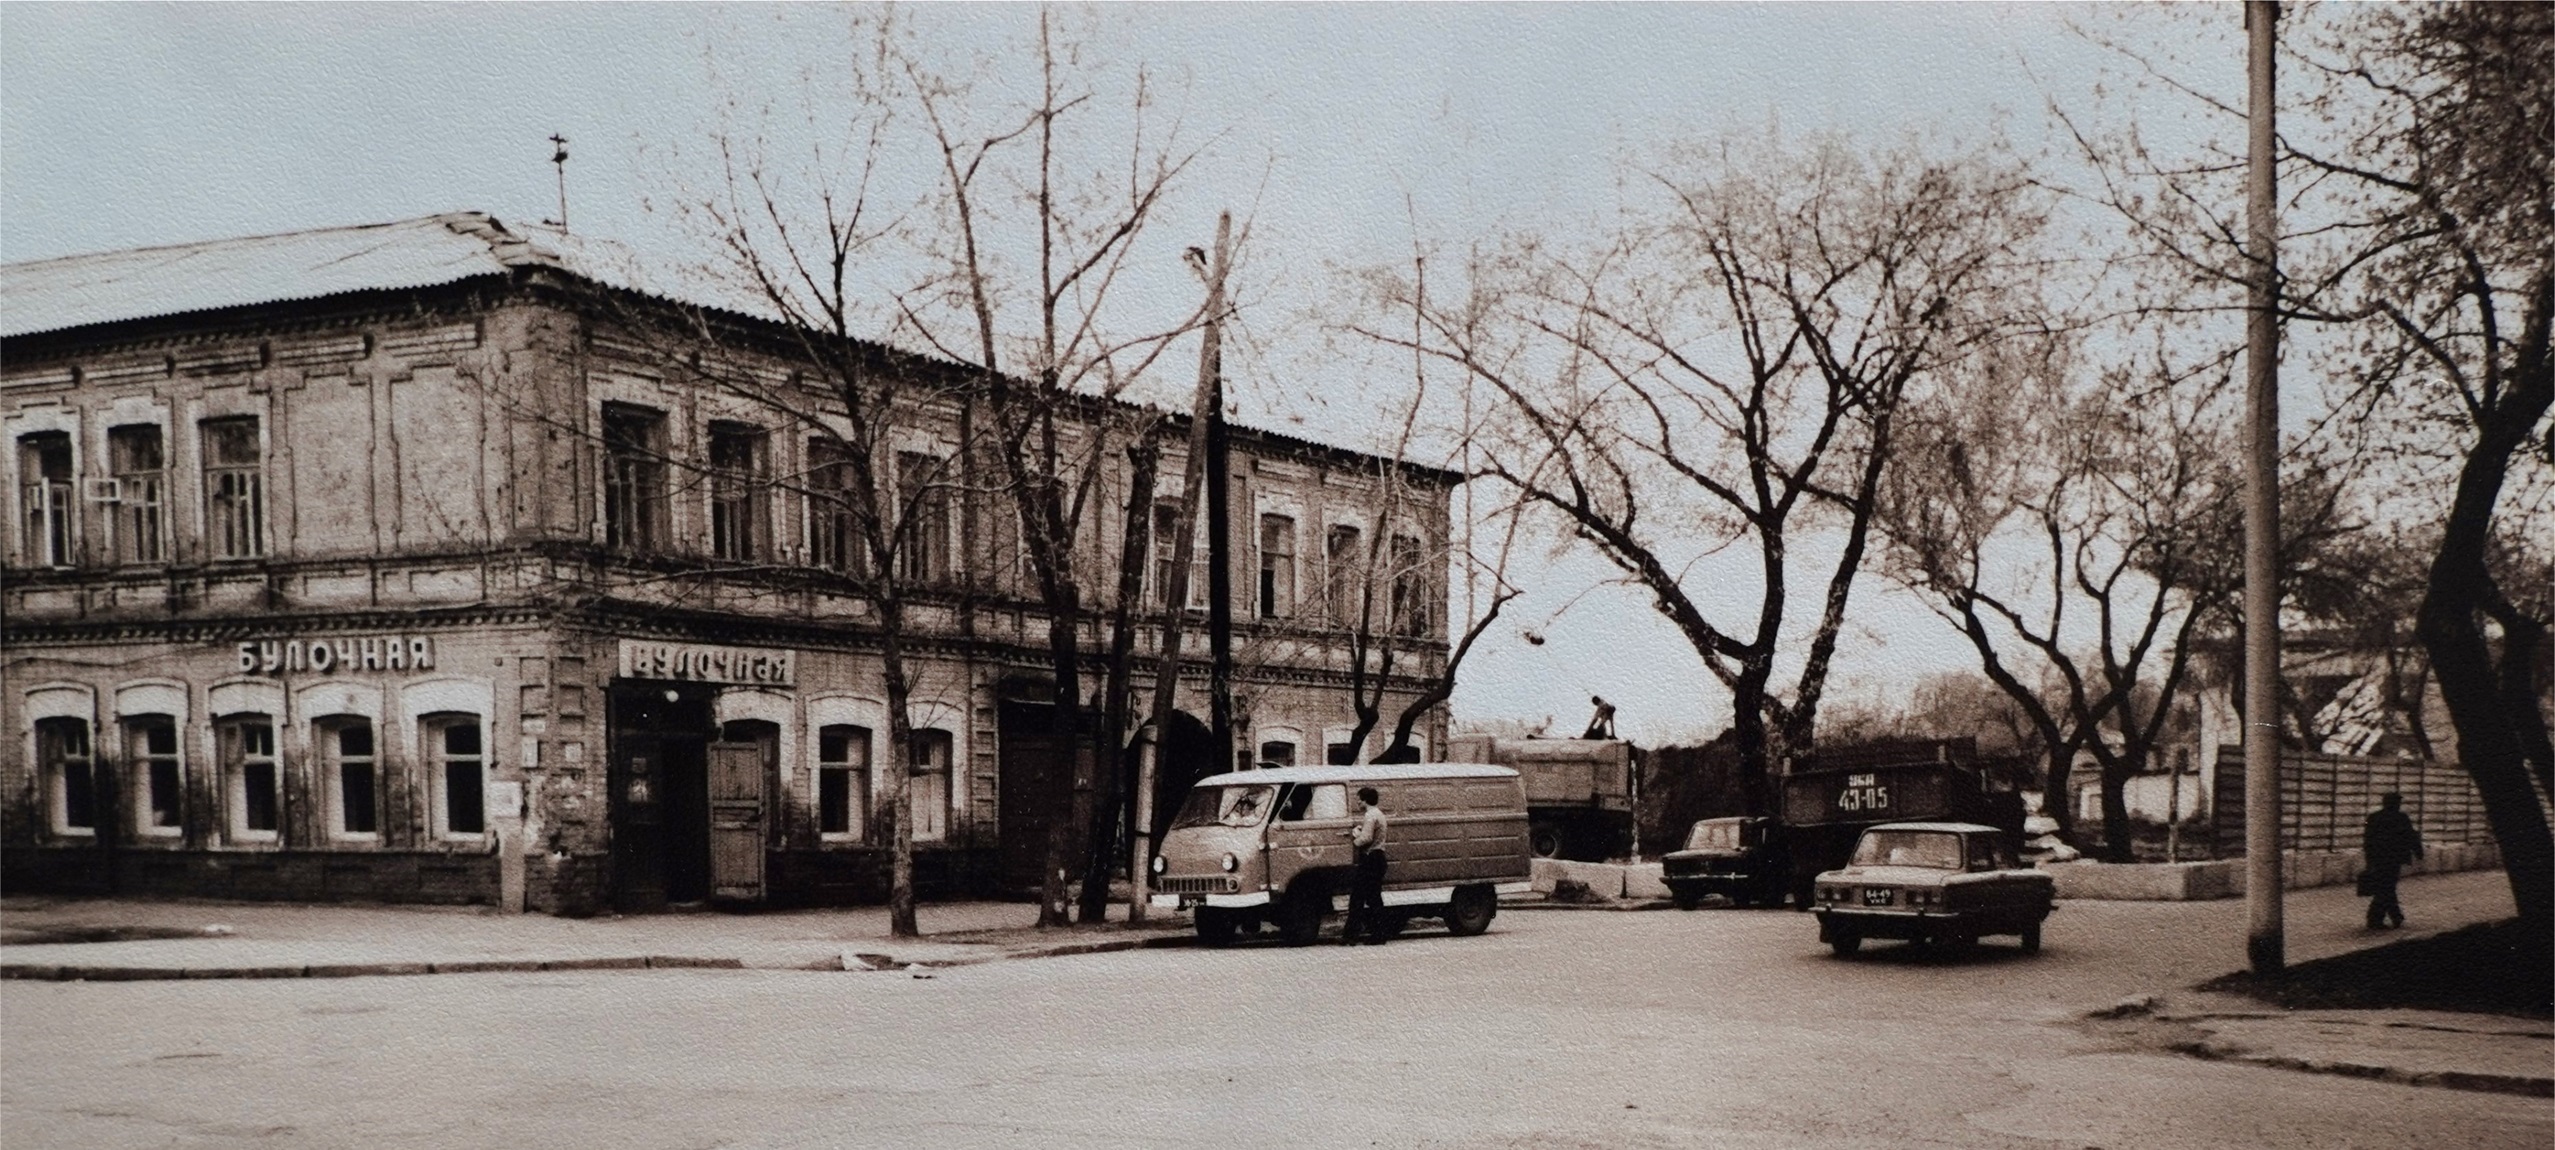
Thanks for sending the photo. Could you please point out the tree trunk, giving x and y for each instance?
(1065, 652)
(1111, 789)
(900, 769)
(2116, 834)
(2489, 736)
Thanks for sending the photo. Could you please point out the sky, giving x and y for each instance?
(1341, 134)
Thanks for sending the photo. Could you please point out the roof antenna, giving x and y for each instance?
(559, 157)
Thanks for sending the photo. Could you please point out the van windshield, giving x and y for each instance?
(1236, 806)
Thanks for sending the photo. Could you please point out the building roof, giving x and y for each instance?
(38, 297)
(67, 292)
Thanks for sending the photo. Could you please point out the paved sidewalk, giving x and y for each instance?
(124, 939)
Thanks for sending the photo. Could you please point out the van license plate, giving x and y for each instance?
(1876, 896)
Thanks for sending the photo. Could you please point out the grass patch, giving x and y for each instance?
(2493, 968)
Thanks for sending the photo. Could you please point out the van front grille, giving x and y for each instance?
(1212, 884)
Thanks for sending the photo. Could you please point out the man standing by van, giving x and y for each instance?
(1366, 890)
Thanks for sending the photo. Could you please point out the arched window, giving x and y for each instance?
(150, 744)
(457, 775)
(250, 777)
(63, 754)
(351, 774)
(842, 783)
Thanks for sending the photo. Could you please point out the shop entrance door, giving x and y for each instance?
(736, 822)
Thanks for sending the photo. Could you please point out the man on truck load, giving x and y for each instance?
(1366, 892)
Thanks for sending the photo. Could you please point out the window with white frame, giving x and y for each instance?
(922, 489)
(1341, 558)
(352, 774)
(842, 782)
(929, 785)
(738, 486)
(1277, 753)
(138, 459)
(1410, 613)
(457, 773)
(159, 782)
(633, 478)
(69, 770)
(834, 539)
(1277, 566)
(49, 536)
(234, 488)
(1166, 537)
(251, 777)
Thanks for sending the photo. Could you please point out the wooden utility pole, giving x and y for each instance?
(2263, 942)
(1175, 596)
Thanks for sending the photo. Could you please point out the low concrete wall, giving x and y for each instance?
(2225, 878)
(1605, 880)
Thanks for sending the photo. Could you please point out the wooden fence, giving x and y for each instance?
(2325, 799)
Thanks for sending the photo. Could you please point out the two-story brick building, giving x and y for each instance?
(382, 563)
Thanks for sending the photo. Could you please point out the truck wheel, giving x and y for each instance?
(1545, 840)
(1686, 900)
(2031, 939)
(1471, 911)
(1299, 921)
(1216, 927)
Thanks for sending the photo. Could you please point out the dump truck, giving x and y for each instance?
(1830, 799)
(1579, 792)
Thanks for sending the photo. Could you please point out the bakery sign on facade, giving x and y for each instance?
(326, 655)
(709, 663)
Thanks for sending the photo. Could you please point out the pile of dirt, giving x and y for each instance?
(2494, 968)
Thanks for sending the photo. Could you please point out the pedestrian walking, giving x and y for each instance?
(2386, 844)
(1366, 890)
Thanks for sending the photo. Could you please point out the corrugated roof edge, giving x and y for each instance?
(511, 248)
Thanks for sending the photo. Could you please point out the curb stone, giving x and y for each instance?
(48, 972)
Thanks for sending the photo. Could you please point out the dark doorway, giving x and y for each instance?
(1036, 788)
(659, 776)
(1189, 753)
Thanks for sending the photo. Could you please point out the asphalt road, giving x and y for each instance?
(1560, 1029)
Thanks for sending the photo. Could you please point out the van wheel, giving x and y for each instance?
(1300, 919)
(1545, 840)
(1471, 911)
(1216, 927)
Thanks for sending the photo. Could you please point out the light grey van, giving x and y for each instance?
(1272, 846)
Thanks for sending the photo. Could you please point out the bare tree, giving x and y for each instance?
(1054, 444)
(2076, 536)
(2420, 250)
(1725, 368)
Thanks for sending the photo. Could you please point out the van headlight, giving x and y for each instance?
(1158, 865)
(1231, 863)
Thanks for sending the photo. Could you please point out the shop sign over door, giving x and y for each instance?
(707, 663)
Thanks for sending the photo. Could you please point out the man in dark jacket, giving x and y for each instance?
(2386, 844)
